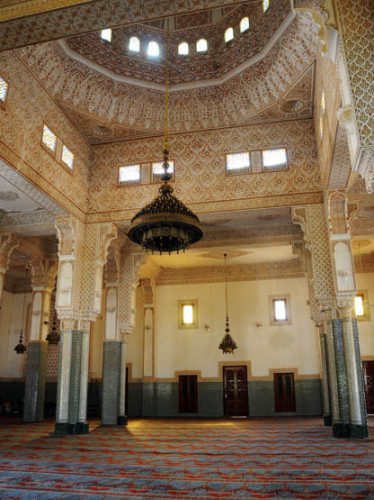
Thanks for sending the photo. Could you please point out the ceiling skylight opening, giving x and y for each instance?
(67, 157)
(158, 170)
(183, 49)
(134, 44)
(153, 49)
(238, 163)
(244, 24)
(129, 174)
(3, 89)
(274, 159)
(265, 5)
(106, 35)
(201, 45)
(49, 139)
(229, 35)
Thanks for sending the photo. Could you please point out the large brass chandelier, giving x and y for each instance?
(165, 225)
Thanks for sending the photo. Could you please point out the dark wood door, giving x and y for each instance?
(284, 388)
(187, 393)
(235, 391)
(368, 370)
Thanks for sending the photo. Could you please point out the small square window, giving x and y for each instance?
(238, 163)
(187, 314)
(106, 35)
(229, 35)
(67, 157)
(274, 159)
(201, 45)
(129, 174)
(3, 90)
(362, 308)
(157, 170)
(49, 139)
(280, 310)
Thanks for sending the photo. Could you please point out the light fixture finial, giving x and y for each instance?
(165, 225)
(228, 344)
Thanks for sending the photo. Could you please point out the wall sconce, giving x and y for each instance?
(258, 325)
(207, 328)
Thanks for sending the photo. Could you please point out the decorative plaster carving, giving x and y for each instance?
(8, 242)
(93, 17)
(216, 274)
(89, 96)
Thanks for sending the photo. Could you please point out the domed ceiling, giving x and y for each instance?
(264, 74)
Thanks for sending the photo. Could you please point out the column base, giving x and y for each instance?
(66, 429)
(122, 420)
(327, 420)
(357, 431)
(340, 430)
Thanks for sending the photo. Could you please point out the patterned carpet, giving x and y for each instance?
(192, 459)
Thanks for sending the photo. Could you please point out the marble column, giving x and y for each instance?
(63, 385)
(325, 379)
(35, 381)
(36, 365)
(122, 417)
(82, 426)
(346, 380)
(358, 427)
(333, 381)
(72, 382)
(111, 382)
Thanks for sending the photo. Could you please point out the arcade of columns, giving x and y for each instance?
(84, 252)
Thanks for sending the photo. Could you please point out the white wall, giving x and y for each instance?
(11, 363)
(287, 346)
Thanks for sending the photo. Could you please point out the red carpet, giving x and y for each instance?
(199, 459)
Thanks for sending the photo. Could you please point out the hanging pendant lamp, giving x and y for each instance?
(20, 347)
(228, 344)
(165, 224)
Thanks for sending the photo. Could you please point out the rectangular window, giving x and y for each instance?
(67, 157)
(238, 163)
(157, 170)
(3, 90)
(362, 308)
(187, 314)
(129, 174)
(274, 159)
(49, 139)
(106, 35)
(280, 310)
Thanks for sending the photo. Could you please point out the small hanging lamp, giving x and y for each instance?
(20, 347)
(228, 344)
(165, 224)
(53, 337)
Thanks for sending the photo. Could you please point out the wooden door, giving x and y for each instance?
(187, 393)
(235, 391)
(368, 371)
(284, 388)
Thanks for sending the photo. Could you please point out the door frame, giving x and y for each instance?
(196, 396)
(275, 375)
(247, 371)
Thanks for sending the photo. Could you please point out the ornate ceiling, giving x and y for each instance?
(265, 74)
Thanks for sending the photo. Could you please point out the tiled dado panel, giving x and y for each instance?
(200, 176)
(28, 106)
(357, 26)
